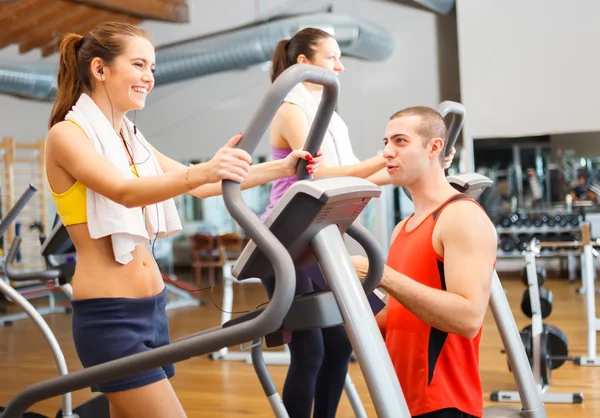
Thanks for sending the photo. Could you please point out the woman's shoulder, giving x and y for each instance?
(64, 132)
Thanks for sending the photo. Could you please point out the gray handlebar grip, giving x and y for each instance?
(456, 124)
(374, 254)
(278, 255)
(17, 208)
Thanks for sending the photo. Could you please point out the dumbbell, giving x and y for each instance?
(507, 243)
(523, 241)
(522, 220)
(505, 222)
(540, 220)
(541, 276)
(545, 303)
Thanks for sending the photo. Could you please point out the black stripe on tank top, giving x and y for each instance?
(437, 338)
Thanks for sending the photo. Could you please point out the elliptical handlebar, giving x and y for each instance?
(10, 217)
(272, 248)
(374, 255)
(458, 119)
(17, 208)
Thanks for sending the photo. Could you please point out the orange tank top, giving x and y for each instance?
(436, 369)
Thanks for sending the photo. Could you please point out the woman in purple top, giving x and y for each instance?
(319, 357)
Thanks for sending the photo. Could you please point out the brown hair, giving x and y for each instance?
(432, 124)
(287, 51)
(106, 41)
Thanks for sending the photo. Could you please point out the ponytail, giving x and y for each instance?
(69, 82)
(287, 51)
(280, 60)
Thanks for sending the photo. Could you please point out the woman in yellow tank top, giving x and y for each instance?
(114, 65)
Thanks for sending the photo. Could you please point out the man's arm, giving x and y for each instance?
(469, 244)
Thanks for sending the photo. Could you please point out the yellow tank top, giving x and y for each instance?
(71, 205)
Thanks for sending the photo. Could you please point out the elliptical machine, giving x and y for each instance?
(295, 219)
(327, 207)
(369, 346)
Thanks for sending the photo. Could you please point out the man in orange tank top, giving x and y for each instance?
(438, 275)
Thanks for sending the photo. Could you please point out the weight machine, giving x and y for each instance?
(588, 276)
(546, 346)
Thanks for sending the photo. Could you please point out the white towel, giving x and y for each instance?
(126, 226)
(337, 148)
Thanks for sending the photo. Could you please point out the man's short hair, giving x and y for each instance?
(432, 124)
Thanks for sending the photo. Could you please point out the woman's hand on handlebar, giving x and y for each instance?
(361, 265)
(291, 161)
(228, 163)
(449, 158)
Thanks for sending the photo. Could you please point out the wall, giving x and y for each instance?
(527, 68)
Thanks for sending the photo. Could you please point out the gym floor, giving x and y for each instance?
(211, 389)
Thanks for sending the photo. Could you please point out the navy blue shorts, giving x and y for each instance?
(106, 329)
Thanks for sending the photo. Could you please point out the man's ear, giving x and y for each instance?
(436, 147)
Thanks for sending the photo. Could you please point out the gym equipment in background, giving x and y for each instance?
(42, 285)
(546, 346)
(588, 277)
(559, 224)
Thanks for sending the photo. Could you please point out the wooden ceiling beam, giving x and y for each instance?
(13, 32)
(85, 25)
(145, 9)
(14, 14)
(56, 25)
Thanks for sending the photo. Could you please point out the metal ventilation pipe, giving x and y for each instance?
(235, 50)
(31, 83)
(438, 6)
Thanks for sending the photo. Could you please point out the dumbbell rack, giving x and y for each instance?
(537, 343)
(517, 230)
(588, 275)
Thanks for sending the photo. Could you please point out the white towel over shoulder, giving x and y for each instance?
(126, 226)
(337, 148)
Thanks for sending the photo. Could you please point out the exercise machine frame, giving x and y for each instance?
(539, 357)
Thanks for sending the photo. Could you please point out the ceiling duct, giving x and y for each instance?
(438, 6)
(238, 49)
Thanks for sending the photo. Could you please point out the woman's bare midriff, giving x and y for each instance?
(99, 275)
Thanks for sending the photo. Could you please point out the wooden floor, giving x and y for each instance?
(210, 388)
